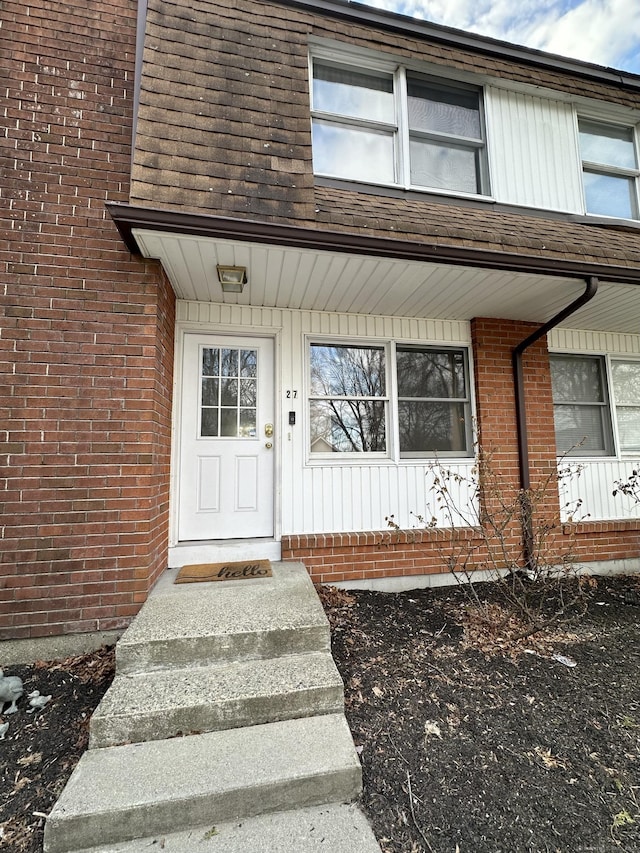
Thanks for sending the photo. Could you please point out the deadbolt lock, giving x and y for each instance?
(268, 430)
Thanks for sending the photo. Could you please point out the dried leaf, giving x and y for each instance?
(26, 760)
(431, 728)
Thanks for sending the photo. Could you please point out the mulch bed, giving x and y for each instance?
(473, 744)
(40, 749)
(469, 742)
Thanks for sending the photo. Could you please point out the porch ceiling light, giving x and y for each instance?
(232, 279)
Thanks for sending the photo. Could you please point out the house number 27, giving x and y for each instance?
(292, 395)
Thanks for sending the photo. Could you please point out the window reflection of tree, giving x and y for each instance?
(349, 385)
(577, 380)
(581, 412)
(432, 394)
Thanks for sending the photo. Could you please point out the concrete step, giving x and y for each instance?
(166, 703)
(161, 787)
(182, 625)
(320, 829)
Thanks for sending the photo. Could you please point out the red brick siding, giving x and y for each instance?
(87, 332)
(337, 557)
(604, 540)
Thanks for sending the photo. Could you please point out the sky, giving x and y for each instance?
(606, 32)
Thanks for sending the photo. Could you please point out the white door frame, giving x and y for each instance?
(183, 553)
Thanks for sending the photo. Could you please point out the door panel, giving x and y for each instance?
(226, 452)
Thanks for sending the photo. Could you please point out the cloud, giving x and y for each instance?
(605, 32)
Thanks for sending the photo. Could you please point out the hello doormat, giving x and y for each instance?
(241, 570)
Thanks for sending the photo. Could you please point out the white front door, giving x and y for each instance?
(226, 438)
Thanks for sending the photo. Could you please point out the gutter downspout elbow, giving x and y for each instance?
(521, 417)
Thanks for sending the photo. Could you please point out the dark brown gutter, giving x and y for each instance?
(127, 218)
(415, 27)
(521, 415)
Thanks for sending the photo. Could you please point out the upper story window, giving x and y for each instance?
(609, 169)
(397, 128)
(445, 136)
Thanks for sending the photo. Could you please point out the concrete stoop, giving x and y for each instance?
(244, 669)
(317, 829)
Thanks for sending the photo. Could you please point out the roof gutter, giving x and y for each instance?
(128, 218)
(521, 415)
(461, 39)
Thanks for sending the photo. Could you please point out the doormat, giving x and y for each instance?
(242, 570)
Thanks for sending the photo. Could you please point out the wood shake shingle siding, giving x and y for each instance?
(224, 111)
(224, 128)
(478, 226)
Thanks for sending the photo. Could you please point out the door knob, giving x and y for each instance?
(268, 445)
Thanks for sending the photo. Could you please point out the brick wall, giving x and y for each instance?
(338, 557)
(86, 336)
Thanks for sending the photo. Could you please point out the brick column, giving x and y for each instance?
(493, 345)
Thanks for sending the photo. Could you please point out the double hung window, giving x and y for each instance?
(610, 170)
(362, 397)
(354, 133)
(625, 379)
(445, 136)
(596, 404)
(397, 127)
(433, 401)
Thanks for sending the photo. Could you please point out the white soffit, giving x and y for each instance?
(285, 277)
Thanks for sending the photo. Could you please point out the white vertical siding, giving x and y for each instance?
(344, 494)
(534, 157)
(575, 340)
(594, 488)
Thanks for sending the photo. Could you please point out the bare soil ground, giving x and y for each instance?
(470, 743)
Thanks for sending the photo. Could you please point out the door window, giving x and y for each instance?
(228, 392)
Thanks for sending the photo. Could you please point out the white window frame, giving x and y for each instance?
(613, 359)
(400, 128)
(393, 453)
(608, 170)
(607, 359)
(384, 399)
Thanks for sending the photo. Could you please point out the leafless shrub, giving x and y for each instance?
(517, 542)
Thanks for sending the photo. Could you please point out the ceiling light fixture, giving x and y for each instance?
(232, 279)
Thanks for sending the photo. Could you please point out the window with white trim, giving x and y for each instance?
(625, 380)
(361, 397)
(399, 128)
(348, 402)
(610, 172)
(596, 401)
